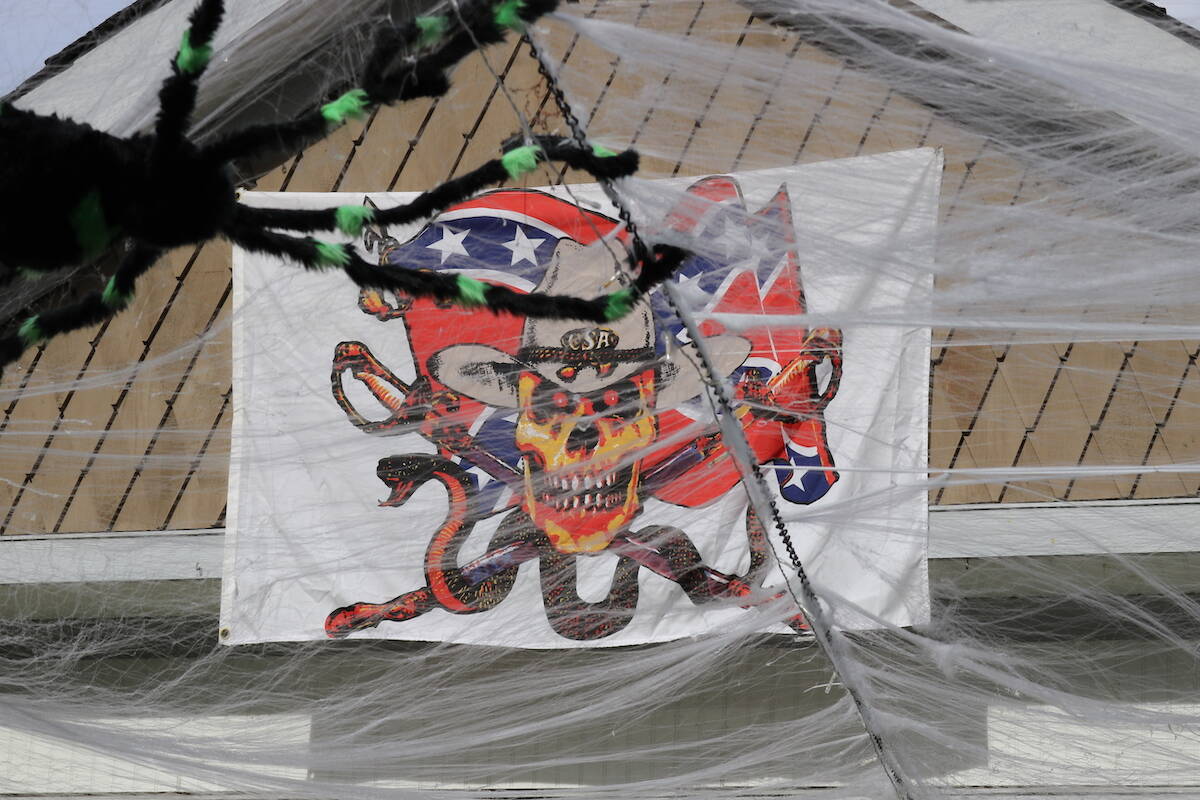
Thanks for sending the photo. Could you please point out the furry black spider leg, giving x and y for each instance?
(458, 289)
(91, 309)
(177, 96)
(517, 161)
(99, 184)
(450, 288)
(85, 190)
(480, 23)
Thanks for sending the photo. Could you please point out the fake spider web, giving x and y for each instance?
(1058, 649)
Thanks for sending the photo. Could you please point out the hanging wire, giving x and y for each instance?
(733, 435)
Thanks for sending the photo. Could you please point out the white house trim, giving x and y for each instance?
(1092, 30)
(1056, 529)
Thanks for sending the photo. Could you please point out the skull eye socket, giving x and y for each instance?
(620, 401)
(547, 401)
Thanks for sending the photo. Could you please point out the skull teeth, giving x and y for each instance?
(585, 492)
(586, 502)
(576, 483)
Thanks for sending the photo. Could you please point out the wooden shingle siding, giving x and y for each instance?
(142, 443)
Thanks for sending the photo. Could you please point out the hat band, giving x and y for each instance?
(602, 359)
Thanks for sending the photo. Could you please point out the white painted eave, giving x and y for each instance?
(1075, 29)
(113, 85)
(954, 532)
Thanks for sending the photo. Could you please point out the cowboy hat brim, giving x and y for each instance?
(489, 375)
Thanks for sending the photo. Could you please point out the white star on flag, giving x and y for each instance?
(765, 250)
(451, 244)
(691, 290)
(523, 248)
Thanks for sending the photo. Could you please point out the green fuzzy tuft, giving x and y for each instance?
(472, 292)
(92, 231)
(600, 151)
(619, 304)
(192, 59)
(113, 297)
(332, 255)
(351, 219)
(521, 161)
(30, 332)
(29, 274)
(352, 105)
(432, 29)
(507, 14)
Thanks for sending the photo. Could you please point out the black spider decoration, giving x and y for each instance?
(85, 190)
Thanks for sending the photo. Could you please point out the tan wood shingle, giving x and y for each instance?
(151, 451)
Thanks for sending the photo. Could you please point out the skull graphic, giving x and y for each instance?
(581, 457)
(589, 427)
(586, 398)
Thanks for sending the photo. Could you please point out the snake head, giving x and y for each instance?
(403, 475)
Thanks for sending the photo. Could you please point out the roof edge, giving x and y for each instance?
(89, 41)
(1157, 16)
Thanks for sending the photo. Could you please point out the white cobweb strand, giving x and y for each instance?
(800, 588)
(1075, 227)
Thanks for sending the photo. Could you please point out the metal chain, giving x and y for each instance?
(639, 246)
(821, 627)
(640, 251)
